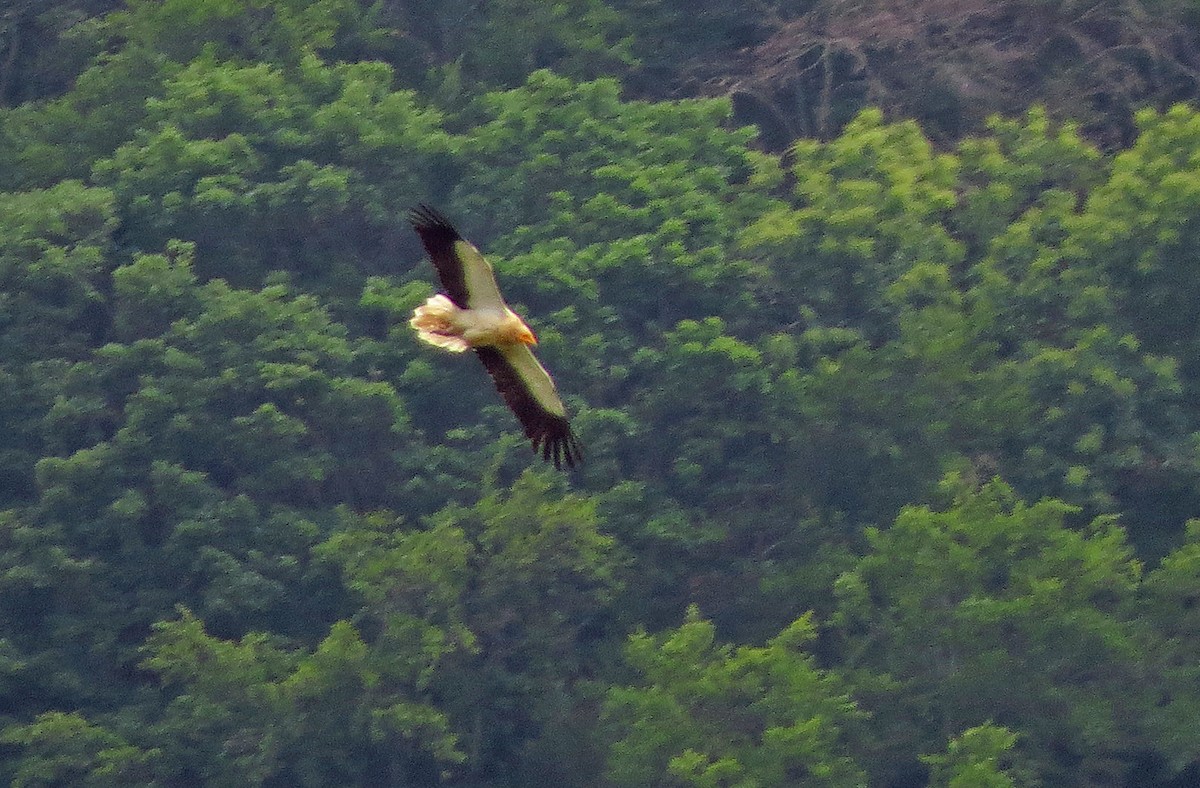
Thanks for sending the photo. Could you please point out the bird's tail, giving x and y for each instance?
(435, 323)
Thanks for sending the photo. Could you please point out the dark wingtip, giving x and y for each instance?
(426, 219)
(561, 450)
(567, 452)
(573, 451)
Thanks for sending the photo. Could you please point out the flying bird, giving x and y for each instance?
(471, 314)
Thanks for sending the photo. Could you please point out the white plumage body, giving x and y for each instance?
(442, 324)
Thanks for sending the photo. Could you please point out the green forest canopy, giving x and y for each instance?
(893, 446)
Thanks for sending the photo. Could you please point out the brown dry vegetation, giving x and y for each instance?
(952, 63)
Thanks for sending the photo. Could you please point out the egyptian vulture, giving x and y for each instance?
(472, 314)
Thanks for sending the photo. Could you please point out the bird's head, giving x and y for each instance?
(514, 330)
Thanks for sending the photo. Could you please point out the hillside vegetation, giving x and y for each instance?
(892, 429)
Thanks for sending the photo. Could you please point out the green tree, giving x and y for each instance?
(593, 197)
(66, 749)
(198, 467)
(708, 714)
(1108, 427)
(1169, 600)
(544, 578)
(53, 310)
(1017, 165)
(267, 168)
(975, 760)
(252, 712)
(949, 611)
(870, 204)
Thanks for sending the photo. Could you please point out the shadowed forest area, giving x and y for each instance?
(876, 319)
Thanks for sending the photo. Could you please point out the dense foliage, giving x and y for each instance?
(893, 448)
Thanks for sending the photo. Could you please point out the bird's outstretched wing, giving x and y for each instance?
(466, 274)
(529, 392)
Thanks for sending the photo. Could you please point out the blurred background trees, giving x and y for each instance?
(890, 401)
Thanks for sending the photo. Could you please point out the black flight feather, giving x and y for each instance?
(439, 237)
(546, 431)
